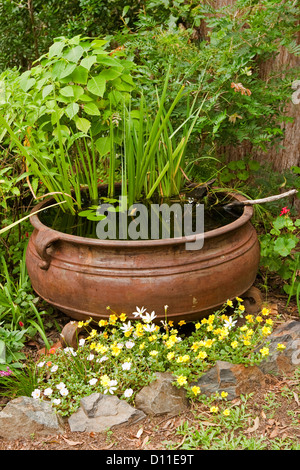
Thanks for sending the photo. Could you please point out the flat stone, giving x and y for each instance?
(100, 412)
(25, 416)
(161, 397)
(235, 379)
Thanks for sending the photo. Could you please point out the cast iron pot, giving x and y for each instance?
(82, 276)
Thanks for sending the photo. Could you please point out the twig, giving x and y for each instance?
(261, 201)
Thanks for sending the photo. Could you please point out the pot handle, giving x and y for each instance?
(43, 241)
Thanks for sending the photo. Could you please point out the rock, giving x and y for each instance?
(288, 360)
(161, 397)
(25, 416)
(235, 379)
(100, 412)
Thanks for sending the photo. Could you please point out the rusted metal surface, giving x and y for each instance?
(82, 276)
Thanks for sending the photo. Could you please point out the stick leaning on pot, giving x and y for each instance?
(250, 202)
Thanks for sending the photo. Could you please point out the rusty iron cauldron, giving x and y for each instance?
(82, 276)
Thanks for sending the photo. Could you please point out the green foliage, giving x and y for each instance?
(11, 345)
(279, 251)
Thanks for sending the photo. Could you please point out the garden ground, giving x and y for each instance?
(267, 419)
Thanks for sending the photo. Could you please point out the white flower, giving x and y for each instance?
(56, 401)
(126, 327)
(70, 350)
(53, 368)
(128, 392)
(139, 312)
(150, 328)
(81, 342)
(126, 366)
(36, 393)
(41, 364)
(149, 317)
(64, 392)
(48, 392)
(90, 357)
(60, 386)
(102, 359)
(93, 381)
(129, 344)
(229, 323)
(112, 387)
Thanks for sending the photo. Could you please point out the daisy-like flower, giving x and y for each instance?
(126, 366)
(54, 368)
(90, 357)
(129, 344)
(93, 381)
(229, 323)
(64, 392)
(48, 392)
(41, 364)
(148, 317)
(102, 359)
(36, 394)
(150, 328)
(81, 342)
(60, 386)
(128, 392)
(139, 312)
(127, 327)
(112, 387)
(56, 401)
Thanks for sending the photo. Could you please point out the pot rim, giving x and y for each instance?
(240, 221)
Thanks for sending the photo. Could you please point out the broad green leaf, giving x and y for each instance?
(56, 49)
(80, 75)
(284, 245)
(92, 109)
(108, 61)
(97, 85)
(47, 90)
(27, 84)
(103, 145)
(87, 62)
(67, 70)
(83, 124)
(71, 110)
(73, 54)
(110, 74)
(67, 91)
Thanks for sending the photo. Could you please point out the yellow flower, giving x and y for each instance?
(266, 331)
(105, 335)
(93, 333)
(209, 343)
(123, 316)
(80, 324)
(226, 412)
(265, 311)
(202, 355)
(204, 320)
(280, 347)
(152, 338)
(195, 346)
(153, 353)
(93, 345)
(269, 321)
(244, 328)
(264, 351)
(224, 394)
(142, 346)
(214, 409)
(211, 319)
(182, 322)
(239, 299)
(197, 326)
(102, 323)
(247, 342)
(259, 319)
(195, 390)
(229, 303)
(184, 358)
(101, 349)
(171, 341)
(209, 328)
(234, 344)
(241, 308)
(139, 330)
(112, 319)
(105, 380)
(170, 323)
(249, 318)
(181, 379)
(170, 356)
(250, 332)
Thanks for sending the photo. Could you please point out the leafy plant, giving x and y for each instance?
(279, 253)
